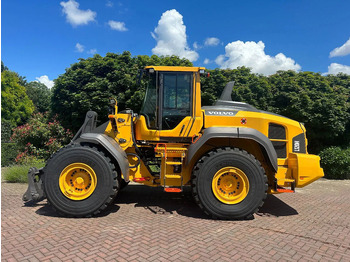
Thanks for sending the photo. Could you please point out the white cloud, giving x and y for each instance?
(171, 37)
(92, 51)
(76, 16)
(45, 80)
(196, 45)
(212, 41)
(335, 68)
(252, 54)
(109, 3)
(206, 61)
(118, 26)
(79, 48)
(342, 50)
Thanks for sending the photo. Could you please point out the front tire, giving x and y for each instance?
(80, 181)
(229, 183)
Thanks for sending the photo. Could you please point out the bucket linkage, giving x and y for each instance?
(35, 191)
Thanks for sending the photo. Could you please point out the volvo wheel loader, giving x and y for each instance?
(231, 154)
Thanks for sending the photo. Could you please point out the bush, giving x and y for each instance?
(6, 130)
(9, 152)
(39, 138)
(336, 162)
(18, 173)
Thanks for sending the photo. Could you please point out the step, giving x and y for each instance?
(173, 176)
(285, 190)
(286, 180)
(172, 190)
(173, 163)
(141, 179)
(170, 149)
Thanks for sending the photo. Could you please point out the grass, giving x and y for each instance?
(18, 173)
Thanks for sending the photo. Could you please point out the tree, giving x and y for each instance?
(90, 83)
(16, 106)
(3, 67)
(40, 94)
(309, 98)
(248, 87)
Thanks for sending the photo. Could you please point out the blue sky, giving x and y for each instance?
(41, 38)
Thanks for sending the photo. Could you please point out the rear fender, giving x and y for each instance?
(236, 132)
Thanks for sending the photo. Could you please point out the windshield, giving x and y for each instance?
(149, 107)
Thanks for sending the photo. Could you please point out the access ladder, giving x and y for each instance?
(172, 158)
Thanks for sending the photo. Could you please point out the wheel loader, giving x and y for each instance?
(231, 154)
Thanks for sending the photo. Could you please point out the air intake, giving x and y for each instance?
(276, 133)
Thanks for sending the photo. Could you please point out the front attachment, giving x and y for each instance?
(35, 191)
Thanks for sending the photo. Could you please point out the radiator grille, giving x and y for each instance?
(280, 148)
(277, 131)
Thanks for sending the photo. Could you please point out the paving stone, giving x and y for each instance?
(147, 224)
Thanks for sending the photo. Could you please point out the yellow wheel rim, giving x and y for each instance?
(230, 185)
(77, 181)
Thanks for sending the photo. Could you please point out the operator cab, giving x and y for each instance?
(172, 103)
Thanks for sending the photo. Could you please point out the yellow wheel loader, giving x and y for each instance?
(231, 154)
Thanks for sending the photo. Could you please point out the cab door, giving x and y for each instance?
(177, 116)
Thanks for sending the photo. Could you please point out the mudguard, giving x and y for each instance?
(92, 134)
(112, 147)
(236, 132)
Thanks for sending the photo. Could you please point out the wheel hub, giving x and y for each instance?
(77, 181)
(230, 185)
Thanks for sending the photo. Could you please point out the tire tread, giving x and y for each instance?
(114, 189)
(198, 166)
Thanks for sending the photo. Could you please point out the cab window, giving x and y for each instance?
(150, 104)
(176, 98)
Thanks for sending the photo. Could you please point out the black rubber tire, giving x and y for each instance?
(203, 174)
(107, 181)
(122, 184)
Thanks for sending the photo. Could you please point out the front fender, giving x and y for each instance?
(236, 132)
(112, 147)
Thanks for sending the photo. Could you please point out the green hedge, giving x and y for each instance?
(336, 162)
(9, 152)
(19, 173)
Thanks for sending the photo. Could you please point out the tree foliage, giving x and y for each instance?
(16, 106)
(3, 67)
(90, 83)
(40, 95)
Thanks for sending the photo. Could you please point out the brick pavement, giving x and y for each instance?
(146, 224)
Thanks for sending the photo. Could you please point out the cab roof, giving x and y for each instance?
(176, 68)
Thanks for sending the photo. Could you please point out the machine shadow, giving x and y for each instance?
(275, 207)
(157, 201)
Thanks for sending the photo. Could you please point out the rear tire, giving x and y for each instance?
(67, 176)
(229, 183)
